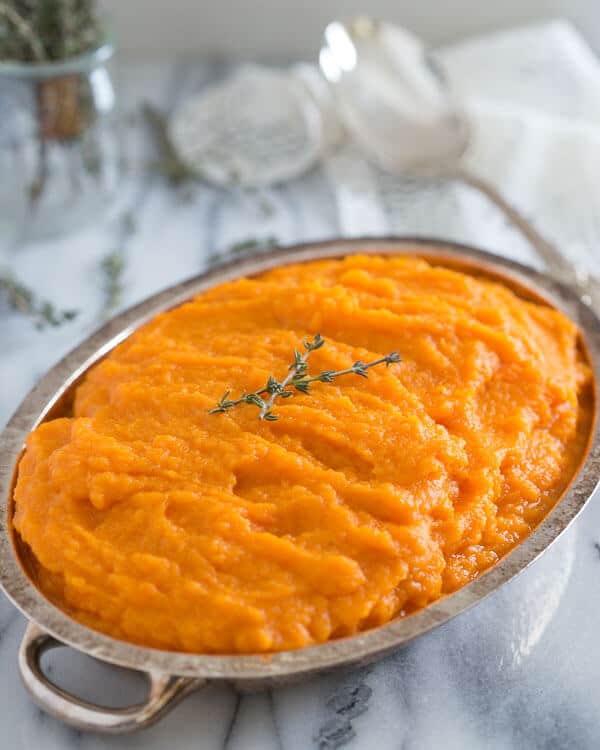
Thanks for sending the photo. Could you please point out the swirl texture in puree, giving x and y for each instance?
(157, 523)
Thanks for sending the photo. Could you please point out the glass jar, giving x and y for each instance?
(59, 144)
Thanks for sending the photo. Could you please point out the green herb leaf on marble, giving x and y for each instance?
(297, 378)
(22, 299)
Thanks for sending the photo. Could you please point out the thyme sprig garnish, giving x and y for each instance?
(298, 379)
(273, 387)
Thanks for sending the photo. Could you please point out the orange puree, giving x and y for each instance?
(155, 522)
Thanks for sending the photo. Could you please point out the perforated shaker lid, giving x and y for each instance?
(258, 127)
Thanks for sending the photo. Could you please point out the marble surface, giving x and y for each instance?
(519, 671)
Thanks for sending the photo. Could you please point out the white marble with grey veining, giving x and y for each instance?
(520, 671)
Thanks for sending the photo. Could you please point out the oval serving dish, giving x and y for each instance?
(172, 675)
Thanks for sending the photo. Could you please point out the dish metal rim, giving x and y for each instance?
(45, 397)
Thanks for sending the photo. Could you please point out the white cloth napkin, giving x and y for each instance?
(534, 97)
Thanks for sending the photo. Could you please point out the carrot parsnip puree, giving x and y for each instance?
(159, 523)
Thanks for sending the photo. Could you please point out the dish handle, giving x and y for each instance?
(164, 693)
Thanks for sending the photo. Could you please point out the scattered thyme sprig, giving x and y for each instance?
(299, 379)
(169, 164)
(252, 243)
(42, 313)
(112, 266)
(243, 248)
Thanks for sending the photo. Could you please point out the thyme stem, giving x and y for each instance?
(358, 368)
